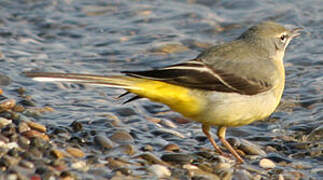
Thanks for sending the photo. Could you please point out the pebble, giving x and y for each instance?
(18, 108)
(114, 162)
(121, 137)
(4, 139)
(39, 143)
(128, 149)
(8, 104)
(177, 158)
(75, 152)
(8, 130)
(151, 158)
(147, 148)
(168, 123)
(161, 131)
(26, 164)
(160, 171)
(278, 159)
(197, 173)
(57, 153)
(247, 146)
(34, 133)
(4, 122)
(242, 174)
(80, 165)
(316, 134)
(23, 142)
(8, 161)
(267, 163)
(36, 126)
(123, 170)
(171, 147)
(23, 127)
(77, 126)
(103, 142)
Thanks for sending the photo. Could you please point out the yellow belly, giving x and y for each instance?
(210, 107)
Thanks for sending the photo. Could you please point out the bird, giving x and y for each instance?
(227, 85)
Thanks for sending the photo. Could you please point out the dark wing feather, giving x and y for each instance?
(195, 74)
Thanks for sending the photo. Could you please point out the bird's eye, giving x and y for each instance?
(283, 37)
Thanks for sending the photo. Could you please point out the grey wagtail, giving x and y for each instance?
(232, 84)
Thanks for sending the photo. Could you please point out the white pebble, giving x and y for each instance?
(267, 164)
(160, 171)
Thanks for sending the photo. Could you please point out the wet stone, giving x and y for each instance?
(8, 130)
(67, 175)
(8, 104)
(34, 133)
(242, 174)
(23, 127)
(35, 152)
(121, 137)
(267, 164)
(77, 126)
(39, 143)
(147, 148)
(103, 142)
(150, 158)
(26, 164)
(4, 122)
(224, 173)
(197, 173)
(246, 146)
(92, 159)
(159, 170)
(8, 161)
(45, 173)
(126, 149)
(177, 158)
(171, 147)
(18, 108)
(57, 153)
(27, 102)
(75, 152)
(4, 138)
(123, 170)
(125, 112)
(14, 137)
(77, 140)
(80, 165)
(167, 132)
(168, 123)
(13, 152)
(114, 162)
(23, 142)
(36, 126)
(316, 134)
(277, 158)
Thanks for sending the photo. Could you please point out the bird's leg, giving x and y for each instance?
(205, 129)
(221, 135)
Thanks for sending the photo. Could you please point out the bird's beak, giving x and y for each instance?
(295, 32)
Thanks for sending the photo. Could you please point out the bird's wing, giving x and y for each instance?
(199, 75)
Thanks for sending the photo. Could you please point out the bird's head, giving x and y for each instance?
(270, 35)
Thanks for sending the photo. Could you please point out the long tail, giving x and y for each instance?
(109, 81)
(176, 97)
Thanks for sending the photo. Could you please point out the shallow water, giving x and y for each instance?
(105, 37)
